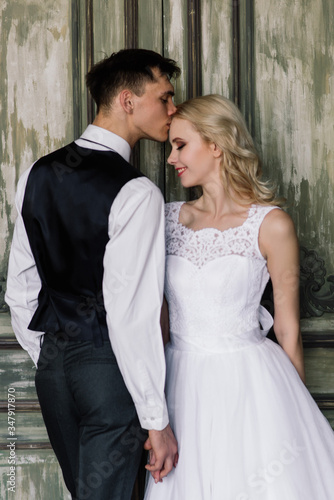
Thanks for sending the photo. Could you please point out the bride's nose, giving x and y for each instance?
(172, 158)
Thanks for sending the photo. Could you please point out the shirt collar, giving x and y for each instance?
(102, 139)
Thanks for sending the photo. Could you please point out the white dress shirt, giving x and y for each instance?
(133, 278)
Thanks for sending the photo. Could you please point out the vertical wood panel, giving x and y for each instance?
(131, 23)
(236, 52)
(194, 87)
(109, 27)
(79, 43)
(131, 42)
(175, 42)
(175, 46)
(294, 53)
(150, 37)
(247, 62)
(217, 47)
(89, 55)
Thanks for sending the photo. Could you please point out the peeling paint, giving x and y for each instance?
(175, 36)
(38, 476)
(59, 34)
(217, 47)
(36, 94)
(108, 36)
(295, 112)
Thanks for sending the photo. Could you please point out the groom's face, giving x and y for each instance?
(153, 110)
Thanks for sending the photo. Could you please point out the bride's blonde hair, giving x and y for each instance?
(219, 121)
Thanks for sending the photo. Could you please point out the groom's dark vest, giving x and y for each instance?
(66, 208)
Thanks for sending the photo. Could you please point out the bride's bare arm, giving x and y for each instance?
(279, 245)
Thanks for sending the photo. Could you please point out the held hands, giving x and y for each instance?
(163, 454)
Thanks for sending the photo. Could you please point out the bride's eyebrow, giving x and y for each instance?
(176, 139)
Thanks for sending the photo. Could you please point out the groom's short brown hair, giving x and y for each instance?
(128, 68)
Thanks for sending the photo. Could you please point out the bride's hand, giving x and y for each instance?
(163, 454)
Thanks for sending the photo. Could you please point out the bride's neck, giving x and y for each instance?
(217, 201)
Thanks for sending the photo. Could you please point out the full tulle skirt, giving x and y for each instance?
(247, 429)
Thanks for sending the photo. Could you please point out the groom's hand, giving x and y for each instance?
(163, 453)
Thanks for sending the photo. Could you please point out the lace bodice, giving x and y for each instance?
(214, 279)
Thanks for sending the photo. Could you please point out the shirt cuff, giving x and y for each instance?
(154, 418)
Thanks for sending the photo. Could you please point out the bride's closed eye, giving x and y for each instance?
(180, 147)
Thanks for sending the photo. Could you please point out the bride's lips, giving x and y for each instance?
(180, 171)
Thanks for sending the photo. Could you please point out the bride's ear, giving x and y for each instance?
(216, 151)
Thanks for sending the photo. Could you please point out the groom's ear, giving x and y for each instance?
(126, 100)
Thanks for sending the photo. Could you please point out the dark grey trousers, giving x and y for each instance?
(90, 418)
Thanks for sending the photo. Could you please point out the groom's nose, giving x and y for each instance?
(171, 107)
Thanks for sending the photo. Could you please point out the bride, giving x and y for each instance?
(246, 425)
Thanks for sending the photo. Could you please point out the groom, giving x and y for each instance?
(85, 284)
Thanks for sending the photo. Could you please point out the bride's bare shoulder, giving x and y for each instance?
(188, 212)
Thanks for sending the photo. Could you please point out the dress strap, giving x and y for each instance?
(257, 213)
(172, 211)
(256, 216)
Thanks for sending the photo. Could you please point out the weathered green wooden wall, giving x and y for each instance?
(294, 53)
(273, 57)
(36, 93)
(36, 113)
(293, 125)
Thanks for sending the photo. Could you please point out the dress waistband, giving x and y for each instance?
(216, 345)
(228, 343)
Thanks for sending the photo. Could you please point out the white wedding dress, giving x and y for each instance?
(246, 425)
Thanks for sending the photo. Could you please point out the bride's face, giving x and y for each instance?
(194, 160)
